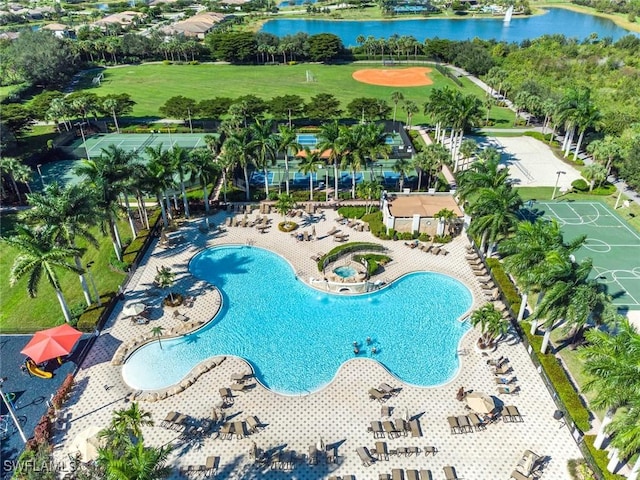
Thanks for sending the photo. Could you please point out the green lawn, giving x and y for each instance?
(19, 313)
(151, 85)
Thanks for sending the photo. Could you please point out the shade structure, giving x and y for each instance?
(133, 309)
(480, 402)
(51, 343)
(86, 444)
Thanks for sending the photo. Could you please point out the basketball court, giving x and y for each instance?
(612, 244)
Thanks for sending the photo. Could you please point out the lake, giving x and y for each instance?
(556, 20)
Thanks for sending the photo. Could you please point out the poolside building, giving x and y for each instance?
(407, 212)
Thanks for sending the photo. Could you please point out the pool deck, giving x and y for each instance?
(341, 412)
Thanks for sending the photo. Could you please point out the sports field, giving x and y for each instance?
(612, 244)
(151, 86)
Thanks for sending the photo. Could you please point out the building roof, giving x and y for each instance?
(121, 18)
(424, 205)
(55, 27)
(196, 25)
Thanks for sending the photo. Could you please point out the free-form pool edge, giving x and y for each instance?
(129, 348)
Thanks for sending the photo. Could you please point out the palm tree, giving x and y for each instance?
(133, 419)
(626, 434)
(156, 332)
(110, 104)
(107, 176)
(410, 108)
(396, 97)
(594, 173)
(70, 212)
(204, 169)
(611, 365)
(40, 255)
(329, 139)
(445, 217)
(284, 204)
(586, 116)
(402, 166)
(179, 160)
(157, 180)
(430, 160)
(606, 149)
(237, 146)
(369, 191)
(10, 166)
(309, 165)
(485, 173)
(135, 462)
(492, 324)
(264, 144)
(560, 301)
(287, 142)
(495, 212)
(224, 161)
(165, 278)
(467, 149)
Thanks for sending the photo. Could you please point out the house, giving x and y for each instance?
(195, 27)
(415, 212)
(122, 19)
(59, 30)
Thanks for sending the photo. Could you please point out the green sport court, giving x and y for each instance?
(612, 244)
(136, 142)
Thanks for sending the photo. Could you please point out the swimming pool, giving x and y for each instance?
(311, 140)
(296, 338)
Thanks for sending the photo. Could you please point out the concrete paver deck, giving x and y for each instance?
(340, 413)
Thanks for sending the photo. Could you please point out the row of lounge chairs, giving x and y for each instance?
(394, 429)
(400, 474)
(504, 385)
(511, 414)
(240, 428)
(209, 468)
(383, 392)
(467, 423)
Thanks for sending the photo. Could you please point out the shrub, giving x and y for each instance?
(340, 250)
(118, 265)
(601, 460)
(554, 370)
(507, 287)
(376, 226)
(89, 320)
(352, 212)
(424, 237)
(374, 261)
(442, 238)
(134, 248)
(287, 226)
(543, 137)
(606, 189)
(580, 185)
(63, 392)
(166, 62)
(405, 236)
(194, 62)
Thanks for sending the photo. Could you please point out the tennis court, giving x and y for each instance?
(612, 244)
(136, 142)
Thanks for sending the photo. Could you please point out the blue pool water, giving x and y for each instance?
(296, 338)
(311, 140)
(345, 271)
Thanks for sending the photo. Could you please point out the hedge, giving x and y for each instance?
(554, 370)
(600, 457)
(376, 226)
(353, 212)
(88, 321)
(373, 261)
(507, 287)
(347, 248)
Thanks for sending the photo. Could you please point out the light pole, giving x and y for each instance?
(10, 409)
(558, 173)
(93, 282)
(40, 174)
(84, 140)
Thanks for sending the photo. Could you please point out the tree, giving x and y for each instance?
(158, 179)
(118, 104)
(594, 173)
(329, 141)
(430, 160)
(446, 217)
(264, 144)
(156, 332)
(492, 324)
(370, 191)
(41, 103)
(467, 149)
(286, 106)
(42, 58)
(38, 255)
(611, 362)
(204, 169)
(213, 107)
(16, 118)
(234, 47)
(323, 106)
(367, 109)
(284, 204)
(179, 107)
(237, 146)
(287, 142)
(485, 173)
(309, 165)
(9, 166)
(607, 150)
(324, 47)
(69, 212)
(396, 97)
(626, 434)
(180, 163)
(165, 278)
(410, 108)
(402, 166)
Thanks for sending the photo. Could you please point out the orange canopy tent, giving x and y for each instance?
(51, 343)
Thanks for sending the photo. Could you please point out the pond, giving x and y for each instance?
(554, 21)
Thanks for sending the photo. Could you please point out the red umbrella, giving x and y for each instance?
(51, 343)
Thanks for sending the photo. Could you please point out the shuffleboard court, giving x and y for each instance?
(137, 142)
(612, 244)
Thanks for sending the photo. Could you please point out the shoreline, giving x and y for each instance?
(538, 10)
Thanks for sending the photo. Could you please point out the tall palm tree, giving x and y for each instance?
(410, 108)
(179, 159)
(237, 146)
(165, 278)
(430, 160)
(156, 332)
(447, 218)
(594, 173)
(352, 143)
(107, 176)
(485, 173)
(626, 434)
(492, 324)
(225, 162)
(396, 97)
(586, 116)
(369, 191)
(110, 104)
(70, 212)
(467, 149)
(402, 166)
(612, 366)
(264, 144)
(309, 165)
(38, 255)
(11, 166)
(330, 140)
(495, 212)
(607, 150)
(560, 301)
(287, 142)
(158, 180)
(135, 462)
(204, 169)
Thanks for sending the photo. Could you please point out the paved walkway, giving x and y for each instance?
(341, 412)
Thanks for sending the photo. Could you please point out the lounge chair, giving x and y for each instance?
(426, 475)
(450, 473)
(514, 413)
(516, 475)
(509, 390)
(465, 424)
(502, 370)
(454, 425)
(477, 423)
(384, 476)
(390, 429)
(179, 316)
(226, 395)
(317, 257)
(365, 456)
(333, 231)
(211, 464)
(397, 474)
(238, 387)
(436, 251)
(381, 451)
(312, 458)
(385, 411)
(386, 388)
(179, 422)
(414, 426)
(188, 301)
(375, 394)
(376, 428)
(412, 475)
(401, 426)
(168, 420)
(254, 424)
(504, 380)
(430, 449)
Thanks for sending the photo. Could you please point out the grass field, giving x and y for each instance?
(151, 85)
